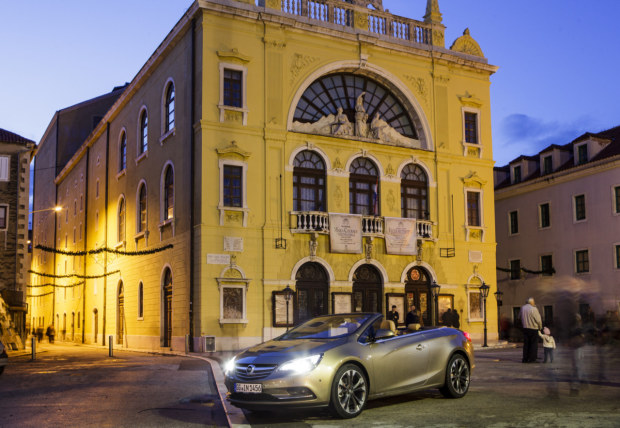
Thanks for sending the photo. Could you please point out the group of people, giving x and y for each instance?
(450, 318)
(532, 330)
(50, 333)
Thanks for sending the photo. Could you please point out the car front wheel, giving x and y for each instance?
(457, 377)
(349, 392)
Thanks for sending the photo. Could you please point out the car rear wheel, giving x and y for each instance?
(349, 392)
(457, 377)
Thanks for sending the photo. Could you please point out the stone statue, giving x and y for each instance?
(342, 126)
(377, 127)
(361, 117)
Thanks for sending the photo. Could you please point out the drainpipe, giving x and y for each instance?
(85, 245)
(105, 228)
(192, 174)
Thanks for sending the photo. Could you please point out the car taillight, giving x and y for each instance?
(467, 336)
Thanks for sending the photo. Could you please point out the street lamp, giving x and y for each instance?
(288, 293)
(435, 293)
(484, 290)
(56, 208)
(498, 296)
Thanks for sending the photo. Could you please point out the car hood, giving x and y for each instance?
(278, 351)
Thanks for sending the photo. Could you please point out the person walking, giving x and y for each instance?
(532, 324)
(548, 344)
(393, 315)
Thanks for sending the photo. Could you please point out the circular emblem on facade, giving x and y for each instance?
(250, 369)
(415, 275)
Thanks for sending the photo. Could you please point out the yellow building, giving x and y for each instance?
(325, 146)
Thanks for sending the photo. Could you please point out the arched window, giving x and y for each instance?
(122, 152)
(120, 314)
(167, 307)
(414, 193)
(341, 90)
(121, 220)
(363, 187)
(169, 108)
(143, 145)
(141, 213)
(168, 193)
(140, 300)
(309, 182)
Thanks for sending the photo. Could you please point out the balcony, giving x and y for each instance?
(348, 15)
(318, 222)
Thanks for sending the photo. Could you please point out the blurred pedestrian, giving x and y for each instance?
(576, 341)
(50, 333)
(548, 344)
(446, 318)
(455, 319)
(39, 334)
(393, 315)
(532, 323)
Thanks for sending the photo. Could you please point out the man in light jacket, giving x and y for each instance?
(532, 324)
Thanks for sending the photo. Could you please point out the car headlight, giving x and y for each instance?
(229, 366)
(302, 365)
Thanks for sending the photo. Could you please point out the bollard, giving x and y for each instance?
(34, 348)
(187, 343)
(110, 344)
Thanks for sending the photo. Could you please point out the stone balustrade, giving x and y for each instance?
(345, 14)
(318, 221)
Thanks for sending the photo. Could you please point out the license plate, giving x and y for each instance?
(249, 388)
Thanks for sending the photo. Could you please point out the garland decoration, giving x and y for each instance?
(71, 275)
(550, 271)
(102, 250)
(77, 284)
(40, 295)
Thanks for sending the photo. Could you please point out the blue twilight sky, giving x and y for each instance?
(559, 60)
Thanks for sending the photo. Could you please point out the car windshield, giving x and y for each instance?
(327, 327)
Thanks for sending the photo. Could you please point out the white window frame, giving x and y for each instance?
(467, 145)
(540, 262)
(585, 203)
(139, 153)
(575, 261)
(540, 226)
(223, 282)
(164, 117)
(141, 233)
(510, 232)
(468, 227)
(118, 204)
(614, 210)
(162, 196)
(244, 192)
(5, 167)
(244, 107)
(470, 318)
(6, 218)
(123, 171)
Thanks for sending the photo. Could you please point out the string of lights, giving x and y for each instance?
(533, 272)
(71, 275)
(103, 249)
(77, 284)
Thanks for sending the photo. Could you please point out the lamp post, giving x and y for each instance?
(484, 290)
(288, 293)
(435, 293)
(498, 296)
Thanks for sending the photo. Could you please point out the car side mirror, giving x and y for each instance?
(384, 333)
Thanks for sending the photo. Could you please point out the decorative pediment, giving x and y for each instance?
(233, 149)
(467, 45)
(470, 100)
(234, 56)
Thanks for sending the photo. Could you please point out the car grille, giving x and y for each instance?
(253, 371)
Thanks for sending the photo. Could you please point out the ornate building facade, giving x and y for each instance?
(272, 162)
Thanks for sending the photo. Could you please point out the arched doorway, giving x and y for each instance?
(167, 312)
(367, 289)
(417, 292)
(120, 330)
(312, 292)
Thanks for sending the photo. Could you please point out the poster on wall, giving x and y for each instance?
(280, 316)
(400, 236)
(341, 303)
(345, 233)
(475, 306)
(398, 300)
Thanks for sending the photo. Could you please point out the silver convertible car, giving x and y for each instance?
(344, 360)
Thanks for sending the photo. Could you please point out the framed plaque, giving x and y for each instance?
(475, 306)
(279, 309)
(342, 303)
(397, 299)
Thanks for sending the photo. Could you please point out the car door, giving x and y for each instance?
(399, 363)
